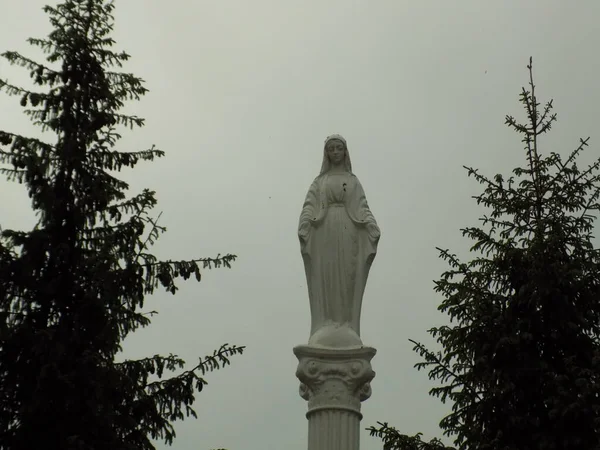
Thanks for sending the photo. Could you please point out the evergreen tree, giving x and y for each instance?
(520, 359)
(73, 287)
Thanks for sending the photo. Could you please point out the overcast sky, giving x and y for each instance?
(242, 95)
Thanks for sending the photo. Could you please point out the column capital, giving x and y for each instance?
(334, 379)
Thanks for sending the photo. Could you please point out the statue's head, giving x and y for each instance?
(335, 154)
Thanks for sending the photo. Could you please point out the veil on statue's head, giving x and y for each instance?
(326, 164)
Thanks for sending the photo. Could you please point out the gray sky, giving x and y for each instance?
(242, 95)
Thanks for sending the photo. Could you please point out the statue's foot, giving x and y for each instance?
(335, 336)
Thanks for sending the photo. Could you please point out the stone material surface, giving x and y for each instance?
(338, 242)
(334, 430)
(334, 378)
(334, 382)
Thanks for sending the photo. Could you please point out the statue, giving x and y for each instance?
(338, 242)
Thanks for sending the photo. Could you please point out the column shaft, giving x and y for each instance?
(333, 429)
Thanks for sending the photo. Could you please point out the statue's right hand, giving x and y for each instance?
(304, 230)
(303, 236)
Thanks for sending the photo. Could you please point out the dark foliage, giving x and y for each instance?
(520, 359)
(73, 287)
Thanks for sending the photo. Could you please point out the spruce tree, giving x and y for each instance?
(73, 287)
(520, 358)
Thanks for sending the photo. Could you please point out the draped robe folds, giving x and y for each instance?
(337, 249)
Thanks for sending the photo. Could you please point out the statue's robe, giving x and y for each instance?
(337, 249)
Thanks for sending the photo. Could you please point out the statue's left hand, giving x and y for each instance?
(373, 230)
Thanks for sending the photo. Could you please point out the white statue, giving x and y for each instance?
(338, 241)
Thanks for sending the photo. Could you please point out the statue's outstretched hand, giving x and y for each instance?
(373, 230)
(304, 230)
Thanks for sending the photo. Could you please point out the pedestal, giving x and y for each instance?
(334, 381)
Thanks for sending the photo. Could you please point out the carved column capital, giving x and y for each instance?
(334, 378)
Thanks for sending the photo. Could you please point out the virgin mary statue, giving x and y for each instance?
(338, 241)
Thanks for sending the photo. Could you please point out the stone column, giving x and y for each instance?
(334, 381)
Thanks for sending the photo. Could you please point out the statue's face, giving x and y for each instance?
(336, 151)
